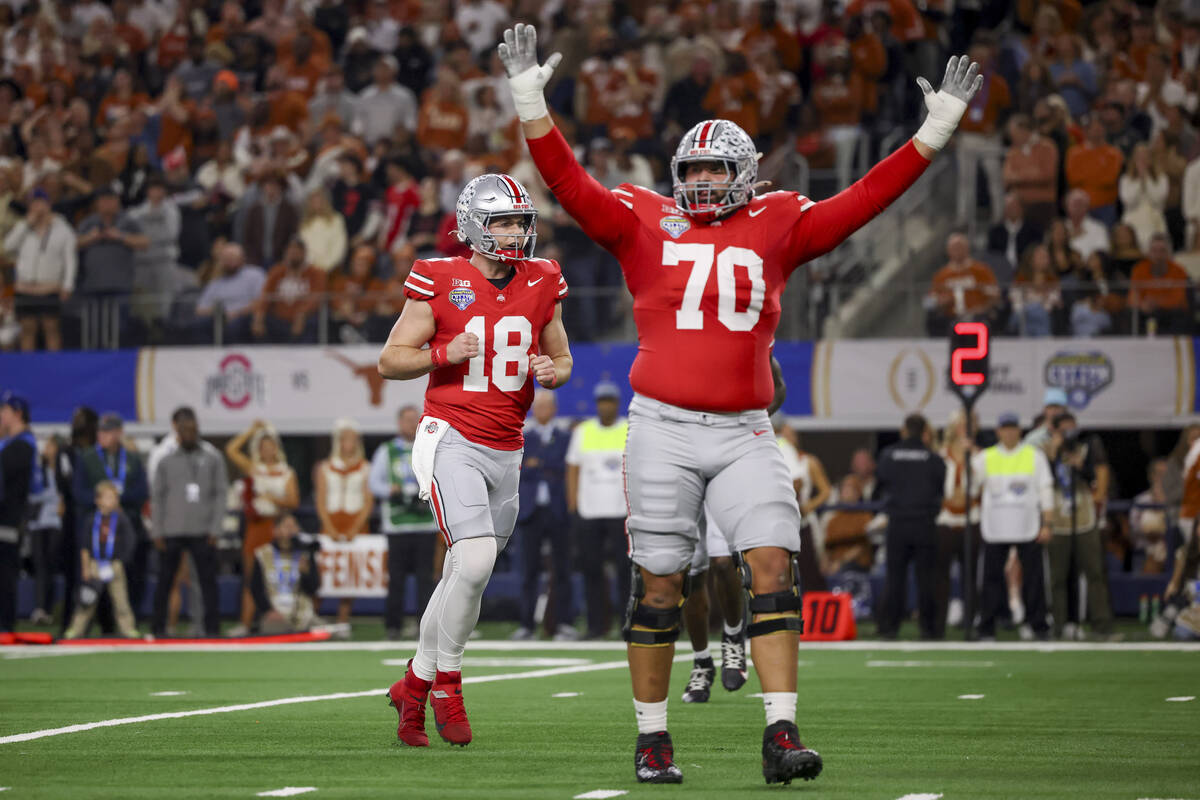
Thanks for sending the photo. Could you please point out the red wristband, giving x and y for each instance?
(437, 357)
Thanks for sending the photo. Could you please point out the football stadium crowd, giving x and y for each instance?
(182, 171)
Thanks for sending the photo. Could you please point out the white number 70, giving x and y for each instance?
(689, 317)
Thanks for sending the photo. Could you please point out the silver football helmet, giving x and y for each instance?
(483, 200)
(715, 140)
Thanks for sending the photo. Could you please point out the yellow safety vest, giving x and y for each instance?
(1010, 496)
(594, 437)
(999, 462)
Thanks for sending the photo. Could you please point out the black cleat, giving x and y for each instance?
(654, 760)
(701, 681)
(785, 758)
(733, 660)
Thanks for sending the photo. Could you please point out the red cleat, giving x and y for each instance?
(448, 710)
(407, 696)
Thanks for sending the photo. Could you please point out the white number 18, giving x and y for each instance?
(476, 380)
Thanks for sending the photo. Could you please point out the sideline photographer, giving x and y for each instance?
(1081, 478)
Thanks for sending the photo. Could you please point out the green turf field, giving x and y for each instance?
(888, 720)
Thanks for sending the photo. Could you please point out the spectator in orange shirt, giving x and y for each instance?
(734, 96)
(133, 36)
(1095, 166)
(361, 311)
(121, 100)
(286, 310)
(289, 108)
(838, 99)
(779, 93)
(767, 34)
(630, 89)
(1159, 291)
(305, 69)
(1031, 168)
(870, 60)
(591, 84)
(906, 22)
(979, 143)
(443, 119)
(963, 289)
(1132, 61)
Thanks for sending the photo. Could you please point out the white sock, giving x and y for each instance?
(701, 655)
(471, 562)
(424, 664)
(732, 631)
(779, 706)
(651, 717)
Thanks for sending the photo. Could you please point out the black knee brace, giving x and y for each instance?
(784, 608)
(656, 627)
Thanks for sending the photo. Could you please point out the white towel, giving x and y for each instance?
(429, 432)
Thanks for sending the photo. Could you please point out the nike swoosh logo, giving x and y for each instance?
(757, 211)
(539, 280)
(760, 433)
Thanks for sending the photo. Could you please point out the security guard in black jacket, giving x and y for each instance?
(911, 479)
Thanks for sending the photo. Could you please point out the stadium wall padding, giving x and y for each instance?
(844, 384)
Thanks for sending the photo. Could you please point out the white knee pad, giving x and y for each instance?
(472, 560)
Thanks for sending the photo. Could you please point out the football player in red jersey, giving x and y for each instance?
(493, 325)
(706, 270)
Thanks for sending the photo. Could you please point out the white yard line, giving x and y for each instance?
(920, 797)
(287, 791)
(287, 701)
(34, 651)
(969, 697)
(931, 663)
(503, 661)
(600, 794)
(1183, 699)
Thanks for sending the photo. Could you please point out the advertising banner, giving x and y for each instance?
(357, 568)
(1115, 383)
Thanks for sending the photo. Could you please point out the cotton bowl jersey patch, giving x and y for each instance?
(462, 298)
(675, 226)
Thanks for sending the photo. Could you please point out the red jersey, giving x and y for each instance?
(706, 296)
(399, 203)
(486, 398)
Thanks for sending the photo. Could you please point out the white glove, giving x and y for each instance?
(526, 79)
(949, 103)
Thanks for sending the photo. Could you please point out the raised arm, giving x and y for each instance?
(602, 215)
(830, 222)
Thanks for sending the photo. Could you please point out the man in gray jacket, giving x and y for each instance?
(187, 507)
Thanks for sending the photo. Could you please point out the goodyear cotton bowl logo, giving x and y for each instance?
(235, 384)
(462, 298)
(676, 226)
(1081, 375)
